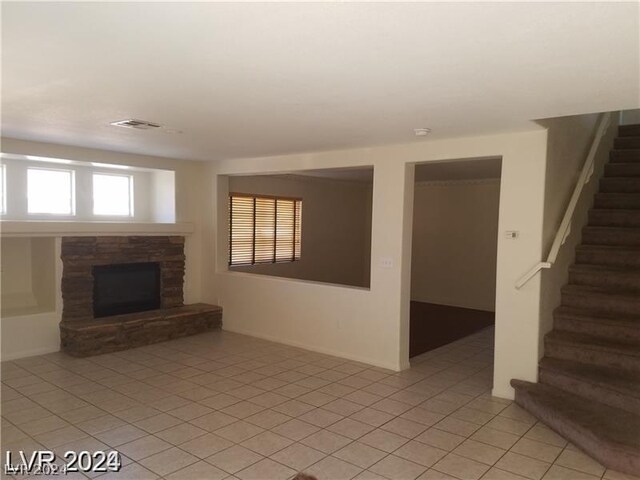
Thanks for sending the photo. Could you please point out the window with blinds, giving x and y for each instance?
(264, 229)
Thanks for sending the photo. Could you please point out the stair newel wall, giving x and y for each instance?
(568, 142)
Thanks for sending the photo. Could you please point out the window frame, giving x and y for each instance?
(3, 185)
(296, 233)
(130, 179)
(72, 188)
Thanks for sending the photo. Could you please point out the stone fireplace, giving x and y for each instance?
(102, 314)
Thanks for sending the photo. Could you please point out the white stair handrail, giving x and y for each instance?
(565, 225)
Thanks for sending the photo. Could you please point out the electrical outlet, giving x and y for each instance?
(386, 262)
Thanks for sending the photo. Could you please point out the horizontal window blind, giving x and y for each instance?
(264, 229)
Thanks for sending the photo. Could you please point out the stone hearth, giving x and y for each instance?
(119, 332)
(82, 335)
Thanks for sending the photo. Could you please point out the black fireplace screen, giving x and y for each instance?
(125, 288)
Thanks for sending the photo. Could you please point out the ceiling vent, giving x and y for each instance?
(137, 124)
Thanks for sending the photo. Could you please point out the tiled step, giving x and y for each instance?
(617, 200)
(617, 328)
(610, 435)
(626, 142)
(631, 169)
(619, 279)
(592, 350)
(611, 387)
(620, 185)
(630, 155)
(601, 300)
(614, 218)
(608, 255)
(629, 130)
(611, 236)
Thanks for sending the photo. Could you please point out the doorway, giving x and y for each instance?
(454, 251)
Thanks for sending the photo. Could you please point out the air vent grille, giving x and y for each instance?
(137, 124)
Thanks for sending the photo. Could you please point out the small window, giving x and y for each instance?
(264, 229)
(3, 190)
(50, 191)
(112, 195)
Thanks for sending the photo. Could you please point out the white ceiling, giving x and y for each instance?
(247, 79)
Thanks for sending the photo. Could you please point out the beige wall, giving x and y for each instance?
(17, 280)
(569, 140)
(26, 335)
(336, 233)
(373, 325)
(455, 235)
(630, 117)
(27, 274)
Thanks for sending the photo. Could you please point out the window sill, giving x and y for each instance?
(274, 278)
(21, 228)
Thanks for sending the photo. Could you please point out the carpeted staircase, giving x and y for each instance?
(589, 382)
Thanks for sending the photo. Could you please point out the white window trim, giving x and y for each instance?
(3, 179)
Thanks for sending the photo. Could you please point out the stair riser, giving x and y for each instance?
(626, 142)
(622, 306)
(619, 185)
(629, 131)
(617, 200)
(604, 236)
(623, 333)
(605, 453)
(624, 156)
(590, 391)
(608, 258)
(578, 353)
(618, 281)
(622, 170)
(614, 218)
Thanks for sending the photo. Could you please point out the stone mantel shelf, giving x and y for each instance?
(44, 228)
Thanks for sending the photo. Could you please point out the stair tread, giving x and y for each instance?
(616, 379)
(611, 228)
(626, 150)
(590, 342)
(592, 291)
(610, 248)
(619, 194)
(612, 236)
(618, 428)
(614, 278)
(587, 314)
(616, 211)
(613, 269)
(626, 179)
(629, 130)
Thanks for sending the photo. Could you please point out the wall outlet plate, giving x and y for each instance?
(386, 262)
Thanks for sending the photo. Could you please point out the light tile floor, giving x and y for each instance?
(221, 405)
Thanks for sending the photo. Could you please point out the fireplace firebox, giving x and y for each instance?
(125, 288)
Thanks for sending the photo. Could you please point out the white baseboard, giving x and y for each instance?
(395, 367)
(507, 393)
(29, 353)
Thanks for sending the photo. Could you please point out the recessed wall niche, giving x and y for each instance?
(28, 275)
